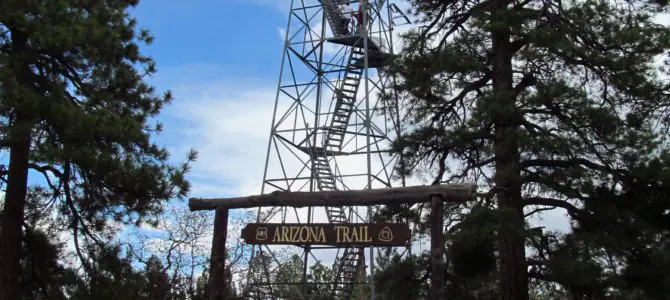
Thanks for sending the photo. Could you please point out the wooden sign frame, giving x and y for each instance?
(434, 194)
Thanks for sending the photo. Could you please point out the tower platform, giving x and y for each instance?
(376, 57)
(354, 41)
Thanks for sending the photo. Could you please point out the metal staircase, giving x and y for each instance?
(345, 102)
(349, 263)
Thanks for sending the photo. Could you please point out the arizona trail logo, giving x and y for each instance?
(385, 235)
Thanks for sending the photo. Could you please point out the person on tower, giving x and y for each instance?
(362, 7)
(347, 14)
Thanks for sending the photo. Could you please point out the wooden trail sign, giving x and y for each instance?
(334, 234)
(374, 234)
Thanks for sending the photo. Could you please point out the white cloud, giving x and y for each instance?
(282, 5)
(228, 123)
(282, 33)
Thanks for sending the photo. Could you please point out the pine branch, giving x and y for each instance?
(540, 276)
(27, 240)
(75, 224)
(44, 170)
(475, 164)
(527, 81)
(577, 130)
(573, 163)
(545, 180)
(426, 32)
(537, 210)
(472, 86)
(536, 262)
(533, 128)
(457, 20)
(573, 211)
(542, 246)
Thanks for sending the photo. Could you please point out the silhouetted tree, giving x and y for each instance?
(549, 104)
(76, 109)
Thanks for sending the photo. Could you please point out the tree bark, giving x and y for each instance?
(512, 272)
(12, 217)
(19, 137)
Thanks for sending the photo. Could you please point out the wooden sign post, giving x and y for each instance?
(217, 265)
(384, 235)
(438, 269)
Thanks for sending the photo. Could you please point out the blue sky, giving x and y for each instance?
(221, 60)
(238, 36)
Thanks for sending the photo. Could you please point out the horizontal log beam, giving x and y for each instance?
(455, 193)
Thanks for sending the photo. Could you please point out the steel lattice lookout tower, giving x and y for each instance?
(330, 132)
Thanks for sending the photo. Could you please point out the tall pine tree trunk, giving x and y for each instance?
(12, 217)
(19, 137)
(513, 279)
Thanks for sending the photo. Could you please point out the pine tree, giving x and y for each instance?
(399, 277)
(76, 109)
(545, 102)
(158, 284)
(318, 277)
(44, 274)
